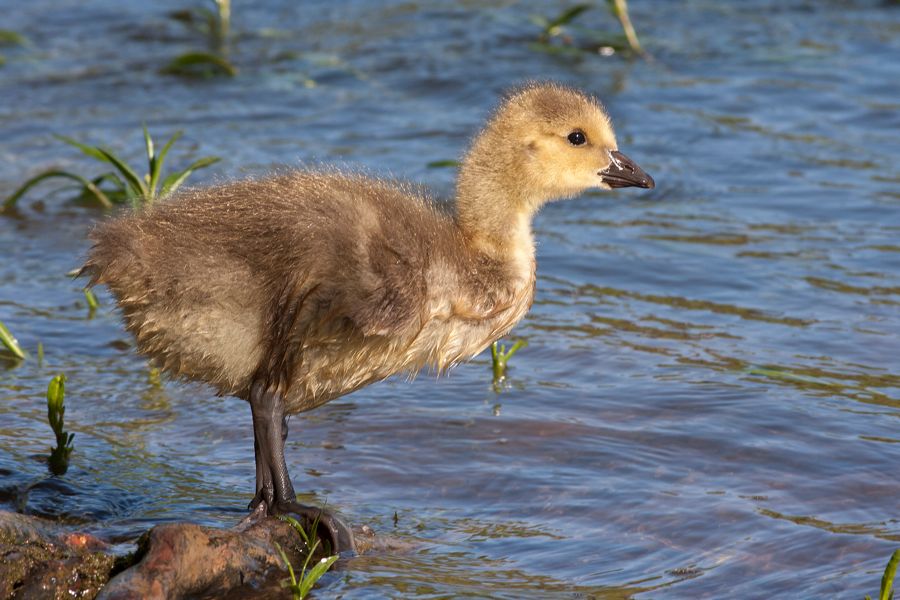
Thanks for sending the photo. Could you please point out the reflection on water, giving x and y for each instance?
(708, 405)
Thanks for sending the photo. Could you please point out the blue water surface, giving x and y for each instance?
(708, 403)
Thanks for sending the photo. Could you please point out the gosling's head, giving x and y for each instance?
(557, 142)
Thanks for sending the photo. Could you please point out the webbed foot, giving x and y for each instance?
(335, 535)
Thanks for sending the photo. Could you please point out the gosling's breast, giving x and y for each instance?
(467, 312)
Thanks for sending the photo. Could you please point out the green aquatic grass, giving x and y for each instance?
(200, 64)
(213, 24)
(56, 411)
(300, 587)
(443, 164)
(212, 21)
(91, 300)
(887, 580)
(500, 356)
(559, 35)
(619, 8)
(556, 26)
(123, 184)
(8, 37)
(10, 342)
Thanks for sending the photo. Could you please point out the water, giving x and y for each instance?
(708, 405)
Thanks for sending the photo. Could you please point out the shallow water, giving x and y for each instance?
(708, 405)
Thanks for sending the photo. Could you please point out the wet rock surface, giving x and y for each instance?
(44, 559)
(40, 559)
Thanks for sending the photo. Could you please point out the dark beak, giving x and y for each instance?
(622, 172)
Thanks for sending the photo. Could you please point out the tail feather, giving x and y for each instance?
(114, 254)
(165, 303)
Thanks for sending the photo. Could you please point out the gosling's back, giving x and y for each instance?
(318, 282)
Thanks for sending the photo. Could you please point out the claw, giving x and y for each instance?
(257, 514)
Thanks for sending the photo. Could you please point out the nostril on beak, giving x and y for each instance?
(623, 172)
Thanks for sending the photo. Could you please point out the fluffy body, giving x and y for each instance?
(318, 283)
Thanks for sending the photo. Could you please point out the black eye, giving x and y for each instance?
(576, 138)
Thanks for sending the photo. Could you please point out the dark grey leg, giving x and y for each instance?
(274, 491)
(273, 483)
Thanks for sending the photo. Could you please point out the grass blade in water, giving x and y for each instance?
(287, 563)
(151, 159)
(620, 10)
(440, 164)
(158, 163)
(91, 302)
(9, 37)
(224, 23)
(10, 342)
(187, 65)
(91, 151)
(500, 357)
(90, 186)
(56, 410)
(887, 580)
(564, 18)
(313, 575)
(174, 181)
(137, 185)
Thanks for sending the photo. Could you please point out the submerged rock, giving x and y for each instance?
(43, 559)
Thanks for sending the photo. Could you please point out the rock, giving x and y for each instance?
(182, 559)
(41, 559)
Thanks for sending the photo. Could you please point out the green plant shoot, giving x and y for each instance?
(56, 410)
(122, 184)
(301, 587)
(562, 29)
(91, 299)
(620, 9)
(441, 164)
(556, 26)
(500, 357)
(215, 25)
(199, 64)
(887, 580)
(10, 342)
(9, 37)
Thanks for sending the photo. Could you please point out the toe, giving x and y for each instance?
(336, 536)
(258, 512)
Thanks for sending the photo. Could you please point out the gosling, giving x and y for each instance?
(291, 290)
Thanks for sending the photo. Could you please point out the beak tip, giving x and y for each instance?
(623, 172)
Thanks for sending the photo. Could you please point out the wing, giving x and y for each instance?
(385, 294)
